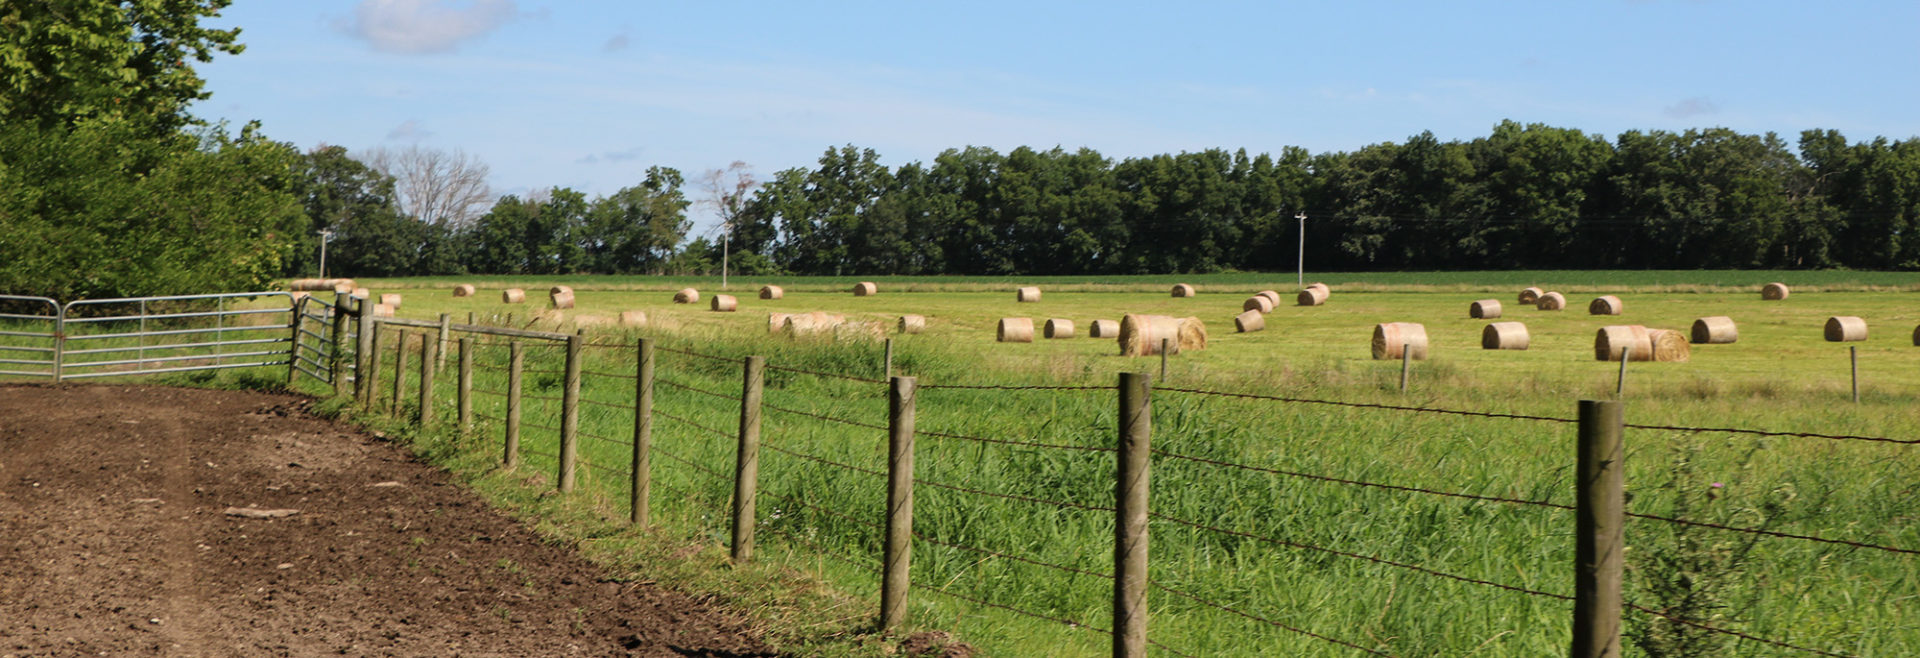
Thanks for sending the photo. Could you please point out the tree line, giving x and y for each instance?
(1525, 196)
(109, 187)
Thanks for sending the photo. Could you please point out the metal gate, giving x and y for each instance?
(29, 339)
(142, 335)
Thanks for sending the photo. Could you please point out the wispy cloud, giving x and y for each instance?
(425, 26)
(613, 156)
(410, 130)
(1691, 107)
(618, 43)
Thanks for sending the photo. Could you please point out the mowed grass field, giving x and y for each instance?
(1283, 559)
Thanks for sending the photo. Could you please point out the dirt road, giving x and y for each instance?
(127, 529)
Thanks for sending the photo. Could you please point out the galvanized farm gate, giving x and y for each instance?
(93, 338)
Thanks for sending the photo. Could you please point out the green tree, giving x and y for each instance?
(636, 229)
(65, 61)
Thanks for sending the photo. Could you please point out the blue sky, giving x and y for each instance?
(587, 94)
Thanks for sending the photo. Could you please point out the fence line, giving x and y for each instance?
(1362, 405)
(684, 387)
(829, 419)
(1734, 633)
(1770, 433)
(907, 430)
(830, 375)
(1228, 609)
(822, 460)
(1357, 556)
(606, 405)
(1010, 442)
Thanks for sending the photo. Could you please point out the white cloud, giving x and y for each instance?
(613, 156)
(1691, 107)
(410, 130)
(426, 26)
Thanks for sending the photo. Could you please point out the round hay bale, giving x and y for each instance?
(865, 289)
(1141, 335)
(1775, 291)
(513, 296)
(913, 324)
(686, 296)
(1270, 295)
(859, 331)
(1103, 329)
(1182, 290)
(1249, 321)
(344, 288)
(1551, 301)
(390, 299)
(1015, 330)
(1669, 346)
(1846, 329)
(383, 310)
(1027, 294)
(463, 290)
(633, 318)
(1390, 339)
(298, 285)
(1505, 336)
(776, 322)
(724, 304)
(812, 322)
(772, 292)
(1530, 295)
(1058, 328)
(1606, 305)
(1311, 296)
(1485, 309)
(585, 321)
(1258, 303)
(560, 300)
(363, 293)
(1321, 286)
(299, 295)
(559, 289)
(1613, 340)
(1193, 334)
(1716, 330)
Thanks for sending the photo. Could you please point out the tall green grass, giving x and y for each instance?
(824, 517)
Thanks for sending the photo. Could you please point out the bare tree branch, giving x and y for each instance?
(435, 186)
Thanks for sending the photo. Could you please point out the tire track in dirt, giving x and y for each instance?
(111, 504)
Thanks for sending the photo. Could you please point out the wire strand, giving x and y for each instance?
(1738, 634)
(830, 375)
(701, 391)
(1009, 442)
(1364, 405)
(1357, 556)
(1223, 608)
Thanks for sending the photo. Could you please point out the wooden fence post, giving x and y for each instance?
(1599, 531)
(642, 465)
(338, 364)
(570, 417)
(1130, 524)
(466, 384)
(446, 330)
(898, 553)
(516, 359)
(399, 374)
(746, 468)
(1620, 385)
(429, 354)
(367, 361)
(1406, 365)
(886, 368)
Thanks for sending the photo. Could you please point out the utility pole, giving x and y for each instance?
(324, 236)
(1303, 247)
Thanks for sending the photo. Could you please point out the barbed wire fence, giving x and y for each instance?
(697, 415)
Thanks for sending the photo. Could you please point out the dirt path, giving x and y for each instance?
(116, 539)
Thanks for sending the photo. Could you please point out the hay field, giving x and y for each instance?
(1781, 376)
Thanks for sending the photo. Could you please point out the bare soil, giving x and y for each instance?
(125, 530)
